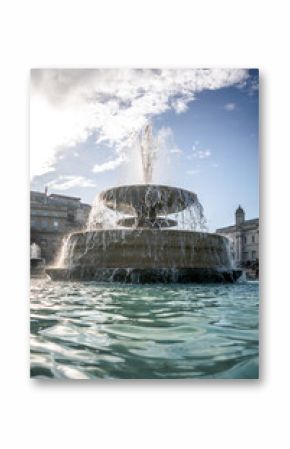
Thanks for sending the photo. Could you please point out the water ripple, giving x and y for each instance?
(90, 330)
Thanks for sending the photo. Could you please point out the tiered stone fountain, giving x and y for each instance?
(145, 246)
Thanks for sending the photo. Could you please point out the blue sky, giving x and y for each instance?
(82, 123)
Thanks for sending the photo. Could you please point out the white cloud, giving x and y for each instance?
(109, 166)
(180, 105)
(68, 182)
(230, 106)
(69, 105)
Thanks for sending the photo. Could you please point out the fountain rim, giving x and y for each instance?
(129, 208)
(122, 231)
(148, 184)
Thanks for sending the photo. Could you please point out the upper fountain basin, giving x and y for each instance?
(147, 200)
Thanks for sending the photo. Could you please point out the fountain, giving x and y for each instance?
(146, 243)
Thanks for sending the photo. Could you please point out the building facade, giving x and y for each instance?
(51, 218)
(244, 238)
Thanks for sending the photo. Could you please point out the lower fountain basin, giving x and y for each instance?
(144, 276)
(146, 255)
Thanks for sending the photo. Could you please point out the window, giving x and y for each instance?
(253, 239)
(71, 215)
(253, 255)
(245, 239)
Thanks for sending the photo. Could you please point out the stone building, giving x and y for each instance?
(244, 238)
(51, 218)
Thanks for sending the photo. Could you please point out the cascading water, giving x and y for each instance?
(101, 217)
(64, 257)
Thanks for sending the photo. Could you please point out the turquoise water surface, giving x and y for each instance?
(90, 330)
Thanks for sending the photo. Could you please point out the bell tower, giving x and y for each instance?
(240, 216)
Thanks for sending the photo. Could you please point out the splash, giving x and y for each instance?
(148, 148)
(191, 219)
(101, 217)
